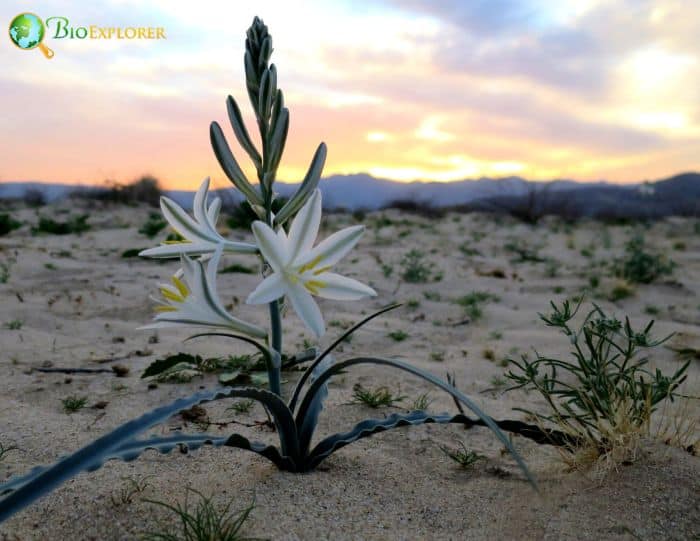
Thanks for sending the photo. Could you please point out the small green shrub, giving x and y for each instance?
(551, 269)
(183, 367)
(640, 266)
(73, 403)
(498, 381)
(375, 398)
(432, 296)
(468, 250)
(131, 487)
(652, 310)
(473, 303)
(463, 456)
(143, 190)
(437, 356)
(131, 252)
(204, 522)
(398, 335)
(605, 395)
(154, 225)
(74, 225)
(621, 290)
(523, 253)
(5, 270)
(422, 402)
(242, 216)
(237, 268)
(8, 224)
(415, 269)
(241, 406)
(680, 246)
(14, 325)
(489, 355)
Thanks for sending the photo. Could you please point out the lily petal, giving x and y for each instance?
(332, 249)
(271, 246)
(181, 221)
(203, 306)
(341, 288)
(306, 308)
(304, 229)
(197, 248)
(271, 288)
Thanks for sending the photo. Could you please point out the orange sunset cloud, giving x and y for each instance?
(401, 90)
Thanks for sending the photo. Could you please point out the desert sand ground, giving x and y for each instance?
(80, 304)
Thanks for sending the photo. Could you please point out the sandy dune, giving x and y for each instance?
(80, 303)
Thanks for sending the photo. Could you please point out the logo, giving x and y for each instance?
(27, 32)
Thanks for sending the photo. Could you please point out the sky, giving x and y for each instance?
(401, 89)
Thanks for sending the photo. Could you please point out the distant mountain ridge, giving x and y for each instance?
(362, 191)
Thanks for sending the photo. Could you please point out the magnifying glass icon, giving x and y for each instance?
(27, 32)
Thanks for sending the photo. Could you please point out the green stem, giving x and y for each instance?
(275, 316)
(276, 346)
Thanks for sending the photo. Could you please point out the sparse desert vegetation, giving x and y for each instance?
(478, 310)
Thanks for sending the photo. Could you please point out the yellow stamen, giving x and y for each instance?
(182, 240)
(310, 265)
(322, 270)
(165, 308)
(181, 287)
(314, 285)
(311, 289)
(170, 295)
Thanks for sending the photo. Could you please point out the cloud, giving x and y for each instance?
(479, 17)
(584, 89)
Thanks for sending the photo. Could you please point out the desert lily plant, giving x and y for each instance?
(295, 269)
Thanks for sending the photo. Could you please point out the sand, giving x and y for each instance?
(80, 304)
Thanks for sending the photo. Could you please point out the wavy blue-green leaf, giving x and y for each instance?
(195, 441)
(307, 425)
(116, 443)
(455, 393)
(369, 427)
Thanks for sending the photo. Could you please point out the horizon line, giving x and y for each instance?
(164, 185)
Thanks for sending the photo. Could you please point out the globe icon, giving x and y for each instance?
(26, 31)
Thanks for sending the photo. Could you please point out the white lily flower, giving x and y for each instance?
(193, 300)
(300, 270)
(200, 234)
